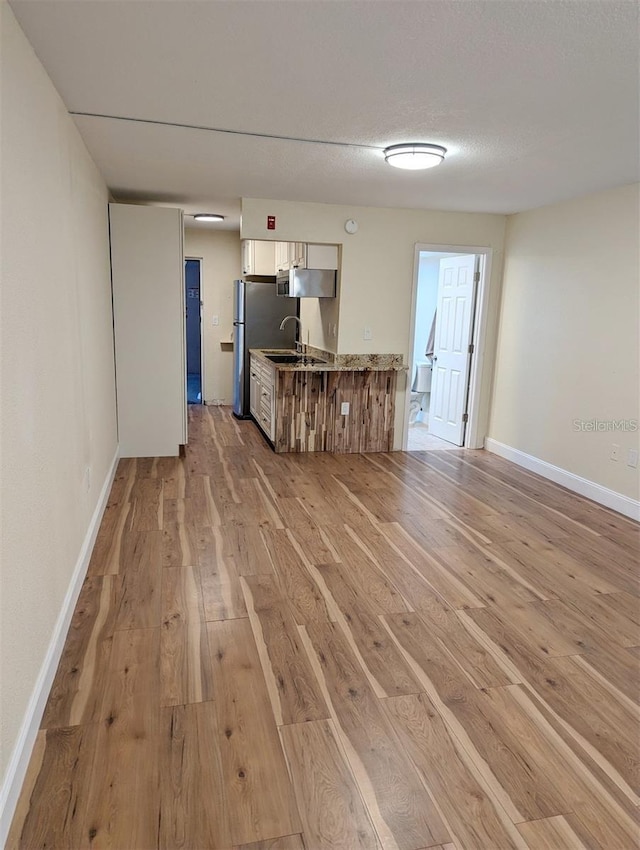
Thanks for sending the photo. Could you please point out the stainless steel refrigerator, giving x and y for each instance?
(257, 313)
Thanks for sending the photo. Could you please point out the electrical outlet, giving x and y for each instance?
(367, 333)
(632, 458)
(344, 408)
(216, 320)
(615, 452)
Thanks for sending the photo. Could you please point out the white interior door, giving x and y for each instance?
(454, 326)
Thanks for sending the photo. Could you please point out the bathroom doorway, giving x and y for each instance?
(449, 285)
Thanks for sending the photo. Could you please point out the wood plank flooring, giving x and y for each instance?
(367, 652)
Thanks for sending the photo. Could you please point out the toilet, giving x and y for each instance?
(419, 388)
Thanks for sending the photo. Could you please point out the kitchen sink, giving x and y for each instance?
(298, 359)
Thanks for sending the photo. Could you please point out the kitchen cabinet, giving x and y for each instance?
(254, 389)
(322, 256)
(290, 255)
(147, 273)
(282, 258)
(299, 408)
(300, 255)
(258, 257)
(262, 379)
(267, 405)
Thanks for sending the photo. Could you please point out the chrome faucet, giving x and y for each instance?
(295, 318)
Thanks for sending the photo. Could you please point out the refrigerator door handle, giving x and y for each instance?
(239, 300)
(238, 369)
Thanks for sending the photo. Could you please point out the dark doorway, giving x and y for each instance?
(193, 334)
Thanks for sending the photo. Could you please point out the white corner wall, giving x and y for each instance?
(568, 343)
(376, 282)
(58, 439)
(221, 265)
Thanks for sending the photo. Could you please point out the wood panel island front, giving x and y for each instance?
(299, 406)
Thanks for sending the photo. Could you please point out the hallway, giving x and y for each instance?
(408, 651)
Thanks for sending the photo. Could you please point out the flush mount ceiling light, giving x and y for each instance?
(414, 156)
(208, 217)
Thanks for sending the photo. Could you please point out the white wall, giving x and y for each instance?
(57, 377)
(377, 269)
(318, 317)
(568, 343)
(221, 265)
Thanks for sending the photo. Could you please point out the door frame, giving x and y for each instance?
(473, 437)
(199, 260)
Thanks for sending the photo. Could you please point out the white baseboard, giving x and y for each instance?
(19, 761)
(609, 498)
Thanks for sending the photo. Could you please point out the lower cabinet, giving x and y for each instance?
(254, 389)
(262, 379)
(300, 411)
(309, 411)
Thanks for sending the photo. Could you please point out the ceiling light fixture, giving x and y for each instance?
(208, 217)
(414, 156)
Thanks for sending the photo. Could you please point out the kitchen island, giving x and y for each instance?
(298, 406)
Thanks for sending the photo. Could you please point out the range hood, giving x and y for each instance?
(307, 283)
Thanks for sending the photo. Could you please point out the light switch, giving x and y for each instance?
(216, 320)
(344, 408)
(632, 458)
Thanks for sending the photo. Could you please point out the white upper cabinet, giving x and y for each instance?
(290, 255)
(298, 255)
(246, 256)
(258, 257)
(322, 256)
(282, 258)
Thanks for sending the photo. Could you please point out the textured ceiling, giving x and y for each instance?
(536, 101)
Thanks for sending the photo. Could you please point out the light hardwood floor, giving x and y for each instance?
(434, 650)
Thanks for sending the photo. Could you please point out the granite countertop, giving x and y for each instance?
(334, 362)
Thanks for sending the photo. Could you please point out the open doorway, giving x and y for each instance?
(193, 311)
(444, 370)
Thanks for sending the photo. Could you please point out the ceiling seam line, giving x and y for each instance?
(223, 130)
